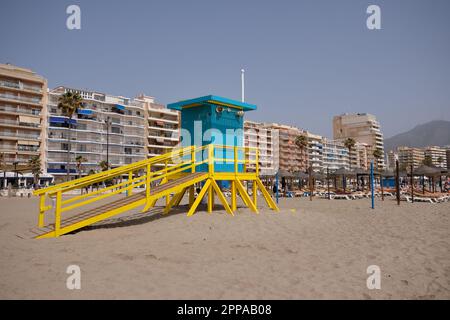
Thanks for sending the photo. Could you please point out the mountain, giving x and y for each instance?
(433, 133)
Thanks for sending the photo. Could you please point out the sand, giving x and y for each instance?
(310, 250)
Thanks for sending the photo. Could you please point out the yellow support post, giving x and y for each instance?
(233, 195)
(58, 213)
(267, 196)
(147, 182)
(130, 186)
(211, 159)
(168, 196)
(191, 196)
(199, 198)
(210, 198)
(175, 201)
(41, 210)
(221, 197)
(193, 159)
(245, 196)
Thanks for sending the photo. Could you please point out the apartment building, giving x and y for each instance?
(291, 157)
(447, 153)
(335, 155)
(315, 151)
(437, 155)
(23, 101)
(391, 156)
(266, 139)
(408, 156)
(162, 127)
(363, 128)
(107, 128)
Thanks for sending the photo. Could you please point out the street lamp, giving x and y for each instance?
(15, 163)
(108, 125)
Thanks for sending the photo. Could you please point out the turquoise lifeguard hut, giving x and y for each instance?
(213, 120)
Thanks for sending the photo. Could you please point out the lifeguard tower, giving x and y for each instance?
(212, 155)
(214, 120)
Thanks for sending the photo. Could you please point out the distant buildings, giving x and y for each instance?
(335, 155)
(363, 128)
(447, 153)
(292, 157)
(407, 156)
(437, 155)
(22, 121)
(410, 156)
(315, 151)
(267, 140)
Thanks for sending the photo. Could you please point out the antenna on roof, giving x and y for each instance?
(242, 85)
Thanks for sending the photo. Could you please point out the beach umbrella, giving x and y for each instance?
(317, 175)
(285, 174)
(300, 175)
(343, 172)
(360, 171)
(425, 170)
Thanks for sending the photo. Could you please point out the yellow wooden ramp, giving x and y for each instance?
(170, 175)
(108, 210)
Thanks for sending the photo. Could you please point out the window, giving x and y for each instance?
(64, 146)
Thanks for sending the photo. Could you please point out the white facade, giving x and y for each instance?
(335, 155)
(267, 140)
(124, 144)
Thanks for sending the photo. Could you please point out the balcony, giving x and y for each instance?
(12, 97)
(19, 135)
(9, 109)
(20, 86)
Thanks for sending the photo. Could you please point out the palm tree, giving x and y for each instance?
(103, 165)
(35, 166)
(69, 103)
(377, 154)
(428, 161)
(349, 143)
(301, 142)
(80, 160)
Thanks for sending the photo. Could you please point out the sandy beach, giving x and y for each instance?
(309, 250)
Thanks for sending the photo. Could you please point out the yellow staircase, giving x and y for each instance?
(177, 176)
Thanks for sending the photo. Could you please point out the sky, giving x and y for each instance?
(304, 61)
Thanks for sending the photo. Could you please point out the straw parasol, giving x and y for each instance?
(343, 172)
(285, 174)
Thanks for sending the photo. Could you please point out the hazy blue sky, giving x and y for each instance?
(305, 61)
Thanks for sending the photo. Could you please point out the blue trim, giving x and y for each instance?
(86, 112)
(120, 107)
(211, 99)
(62, 120)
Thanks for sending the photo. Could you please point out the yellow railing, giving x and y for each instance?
(140, 174)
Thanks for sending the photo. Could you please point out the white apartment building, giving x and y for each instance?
(163, 126)
(107, 128)
(438, 156)
(335, 155)
(267, 140)
(315, 151)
